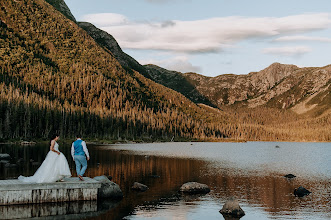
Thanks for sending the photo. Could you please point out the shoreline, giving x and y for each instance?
(111, 142)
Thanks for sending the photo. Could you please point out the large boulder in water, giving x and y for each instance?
(289, 176)
(5, 157)
(232, 208)
(301, 191)
(194, 188)
(108, 188)
(139, 187)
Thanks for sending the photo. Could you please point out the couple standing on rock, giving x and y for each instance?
(55, 167)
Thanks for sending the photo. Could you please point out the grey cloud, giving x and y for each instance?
(168, 24)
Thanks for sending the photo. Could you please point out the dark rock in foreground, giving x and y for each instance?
(194, 188)
(301, 191)
(290, 176)
(139, 187)
(232, 208)
(108, 188)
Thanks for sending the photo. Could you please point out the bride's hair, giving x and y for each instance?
(53, 137)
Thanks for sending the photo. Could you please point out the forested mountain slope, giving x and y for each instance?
(55, 77)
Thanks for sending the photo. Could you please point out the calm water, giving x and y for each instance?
(252, 172)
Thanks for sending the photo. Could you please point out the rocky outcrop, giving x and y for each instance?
(194, 188)
(62, 7)
(232, 208)
(139, 187)
(108, 188)
(301, 191)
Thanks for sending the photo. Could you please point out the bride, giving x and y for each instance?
(54, 168)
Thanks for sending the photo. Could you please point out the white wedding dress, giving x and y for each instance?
(55, 167)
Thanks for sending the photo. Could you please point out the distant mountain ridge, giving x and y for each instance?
(279, 85)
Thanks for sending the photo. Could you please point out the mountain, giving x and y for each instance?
(278, 86)
(54, 77)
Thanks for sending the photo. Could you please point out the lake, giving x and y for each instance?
(252, 172)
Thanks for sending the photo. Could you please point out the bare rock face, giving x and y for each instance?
(108, 188)
(62, 7)
(194, 188)
(139, 187)
(232, 208)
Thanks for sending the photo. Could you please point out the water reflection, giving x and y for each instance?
(262, 195)
(77, 209)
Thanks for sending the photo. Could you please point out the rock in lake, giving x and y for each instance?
(9, 165)
(232, 208)
(108, 188)
(154, 176)
(5, 157)
(139, 187)
(194, 188)
(290, 176)
(301, 191)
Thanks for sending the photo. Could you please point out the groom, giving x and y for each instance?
(79, 154)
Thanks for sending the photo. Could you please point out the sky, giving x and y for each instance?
(214, 37)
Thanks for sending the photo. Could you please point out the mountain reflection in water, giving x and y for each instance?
(258, 184)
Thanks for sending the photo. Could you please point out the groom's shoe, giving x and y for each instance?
(80, 178)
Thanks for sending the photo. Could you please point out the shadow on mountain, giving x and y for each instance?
(178, 82)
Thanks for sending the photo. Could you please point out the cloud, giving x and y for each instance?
(303, 38)
(106, 19)
(204, 36)
(178, 63)
(287, 51)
